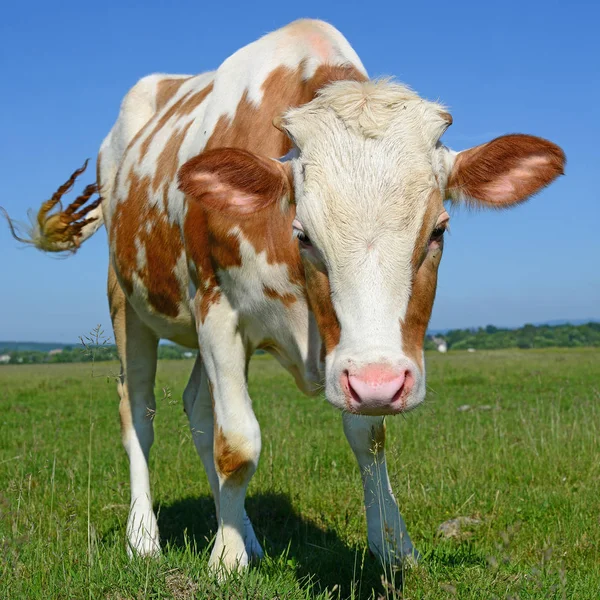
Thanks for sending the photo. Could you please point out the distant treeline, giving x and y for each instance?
(76, 353)
(528, 336)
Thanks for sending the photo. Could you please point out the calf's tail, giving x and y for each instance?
(55, 229)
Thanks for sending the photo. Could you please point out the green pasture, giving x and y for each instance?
(509, 439)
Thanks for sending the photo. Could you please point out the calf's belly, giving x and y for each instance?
(160, 300)
(180, 329)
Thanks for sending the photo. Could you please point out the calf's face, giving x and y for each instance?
(367, 179)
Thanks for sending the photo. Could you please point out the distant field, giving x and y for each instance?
(523, 459)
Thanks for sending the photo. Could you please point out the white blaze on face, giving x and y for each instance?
(364, 180)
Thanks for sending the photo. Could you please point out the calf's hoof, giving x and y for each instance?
(142, 535)
(225, 559)
(143, 548)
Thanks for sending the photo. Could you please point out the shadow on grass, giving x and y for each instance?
(451, 554)
(319, 554)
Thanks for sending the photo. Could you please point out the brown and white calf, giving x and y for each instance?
(284, 202)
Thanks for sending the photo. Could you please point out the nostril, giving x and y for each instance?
(348, 381)
(405, 381)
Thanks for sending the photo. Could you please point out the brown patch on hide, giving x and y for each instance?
(252, 126)
(162, 246)
(232, 459)
(198, 247)
(167, 162)
(287, 299)
(166, 89)
(420, 306)
(435, 207)
(209, 297)
(319, 298)
(181, 107)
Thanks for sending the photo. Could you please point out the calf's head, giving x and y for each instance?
(365, 184)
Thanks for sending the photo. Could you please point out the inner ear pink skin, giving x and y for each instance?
(242, 203)
(210, 184)
(507, 185)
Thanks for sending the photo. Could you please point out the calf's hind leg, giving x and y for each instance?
(137, 347)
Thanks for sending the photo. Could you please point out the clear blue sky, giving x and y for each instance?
(501, 67)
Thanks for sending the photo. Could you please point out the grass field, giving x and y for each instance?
(523, 460)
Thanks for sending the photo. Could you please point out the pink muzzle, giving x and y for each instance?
(377, 389)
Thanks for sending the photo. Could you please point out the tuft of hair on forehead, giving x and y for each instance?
(371, 109)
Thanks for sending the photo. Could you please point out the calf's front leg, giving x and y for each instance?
(236, 436)
(198, 406)
(386, 530)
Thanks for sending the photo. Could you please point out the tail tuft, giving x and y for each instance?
(61, 230)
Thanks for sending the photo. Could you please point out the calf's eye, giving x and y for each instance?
(437, 234)
(299, 233)
(303, 239)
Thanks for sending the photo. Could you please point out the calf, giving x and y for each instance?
(326, 257)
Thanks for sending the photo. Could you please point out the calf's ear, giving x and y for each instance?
(235, 181)
(505, 171)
